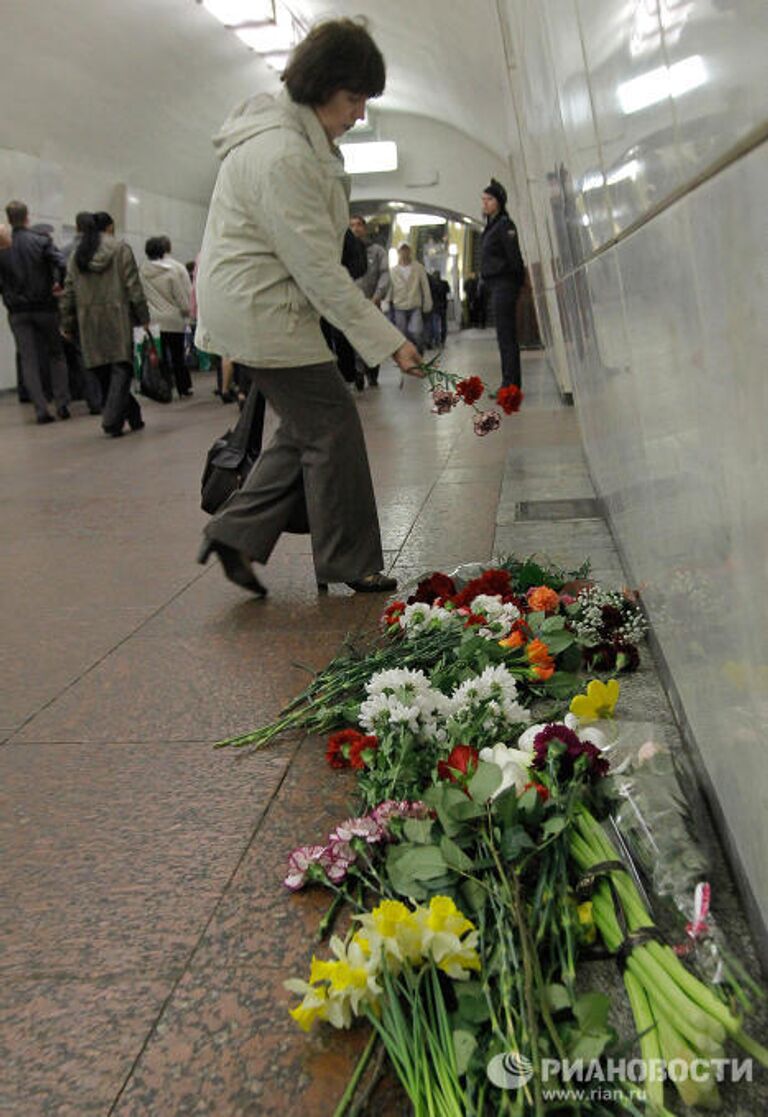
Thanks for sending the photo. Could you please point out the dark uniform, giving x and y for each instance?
(503, 274)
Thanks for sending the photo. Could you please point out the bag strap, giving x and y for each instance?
(246, 435)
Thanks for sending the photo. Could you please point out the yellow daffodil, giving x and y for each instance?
(445, 916)
(599, 701)
(394, 927)
(314, 1005)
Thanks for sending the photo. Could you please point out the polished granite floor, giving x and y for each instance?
(145, 934)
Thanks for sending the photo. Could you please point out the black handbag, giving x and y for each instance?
(153, 383)
(231, 458)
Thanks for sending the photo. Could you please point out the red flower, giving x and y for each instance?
(509, 398)
(491, 582)
(470, 389)
(339, 747)
(475, 619)
(361, 752)
(596, 764)
(392, 614)
(460, 766)
(429, 589)
(541, 790)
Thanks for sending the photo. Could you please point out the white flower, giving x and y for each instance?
(514, 765)
(402, 697)
(419, 616)
(500, 617)
(588, 733)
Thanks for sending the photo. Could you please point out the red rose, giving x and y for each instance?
(460, 766)
(495, 583)
(361, 751)
(509, 398)
(470, 389)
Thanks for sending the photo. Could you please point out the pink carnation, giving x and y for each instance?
(486, 422)
(368, 828)
(443, 400)
(300, 865)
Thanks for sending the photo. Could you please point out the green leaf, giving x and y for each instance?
(557, 997)
(484, 782)
(473, 894)
(408, 865)
(473, 1004)
(535, 621)
(464, 1044)
(418, 830)
(557, 642)
(562, 685)
(554, 825)
(513, 842)
(505, 807)
(552, 624)
(454, 855)
(594, 1034)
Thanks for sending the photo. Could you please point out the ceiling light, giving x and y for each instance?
(410, 220)
(665, 81)
(626, 170)
(234, 12)
(268, 39)
(369, 158)
(397, 205)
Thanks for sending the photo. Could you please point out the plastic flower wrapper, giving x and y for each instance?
(660, 832)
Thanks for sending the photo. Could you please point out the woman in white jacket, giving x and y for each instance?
(168, 289)
(270, 267)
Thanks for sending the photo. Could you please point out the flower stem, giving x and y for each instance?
(348, 1095)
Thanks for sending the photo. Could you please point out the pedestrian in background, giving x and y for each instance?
(411, 296)
(374, 285)
(102, 301)
(503, 274)
(168, 292)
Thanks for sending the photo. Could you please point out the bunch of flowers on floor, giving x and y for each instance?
(477, 877)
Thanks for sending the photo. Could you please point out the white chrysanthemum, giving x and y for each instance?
(404, 698)
(490, 696)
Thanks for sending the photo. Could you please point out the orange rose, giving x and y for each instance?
(538, 654)
(514, 640)
(543, 673)
(543, 600)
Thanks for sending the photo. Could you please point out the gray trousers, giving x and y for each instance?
(37, 339)
(119, 405)
(316, 464)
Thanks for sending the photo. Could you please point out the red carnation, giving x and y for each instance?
(597, 765)
(541, 790)
(509, 398)
(475, 619)
(460, 766)
(361, 752)
(495, 583)
(392, 614)
(470, 389)
(339, 747)
(429, 589)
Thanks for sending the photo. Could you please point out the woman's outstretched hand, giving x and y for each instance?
(408, 358)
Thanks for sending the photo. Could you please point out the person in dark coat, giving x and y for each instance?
(441, 292)
(103, 300)
(503, 274)
(31, 269)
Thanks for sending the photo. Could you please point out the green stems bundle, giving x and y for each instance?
(678, 1018)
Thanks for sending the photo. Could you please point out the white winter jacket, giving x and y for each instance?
(168, 293)
(270, 264)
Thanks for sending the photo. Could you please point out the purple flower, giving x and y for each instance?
(596, 766)
(486, 422)
(443, 400)
(394, 808)
(300, 865)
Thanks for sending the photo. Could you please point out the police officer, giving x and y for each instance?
(503, 274)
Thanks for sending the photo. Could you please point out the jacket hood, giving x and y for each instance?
(259, 113)
(153, 268)
(102, 257)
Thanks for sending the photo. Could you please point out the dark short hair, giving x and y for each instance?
(155, 248)
(336, 54)
(17, 214)
(103, 220)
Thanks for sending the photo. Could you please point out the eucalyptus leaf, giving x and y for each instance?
(454, 855)
(554, 825)
(464, 1044)
(485, 781)
(514, 841)
(472, 1001)
(473, 894)
(418, 830)
(557, 997)
(552, 624)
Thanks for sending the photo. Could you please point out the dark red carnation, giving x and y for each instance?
(509, 398)
(599, 657)
(492, 582)
(597, 766)
(475, 619)
(470, 389)
(429, 589)
(541, 790)
(361, 751)
(627, 657)
(339, 746)
(392, 613)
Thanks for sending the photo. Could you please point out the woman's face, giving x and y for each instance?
(341, 112)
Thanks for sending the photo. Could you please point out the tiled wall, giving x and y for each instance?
(641, 126)
(55, 194)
